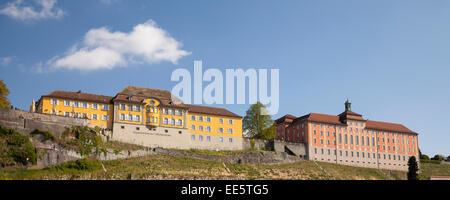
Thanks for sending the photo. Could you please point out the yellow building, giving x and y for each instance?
(150, 117)
(97, 108)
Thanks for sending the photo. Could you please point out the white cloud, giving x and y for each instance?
(6, 60)
(104, 49)
(17, 9)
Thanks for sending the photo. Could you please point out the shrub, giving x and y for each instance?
(80, 164)
(430, 161)
(47, 135)
(424, 157)
(85, 139)
(16, 148)
(412, 168)
(438, 158)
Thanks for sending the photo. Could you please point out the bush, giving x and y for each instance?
(430, 161)
(424, 157)
(84, 139)
(80, 164)
(438, 158)
(47, 135)
(16, 148)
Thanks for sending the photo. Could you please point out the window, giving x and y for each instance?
(200, 128)
(170, 111)
(122, 106)
(340, 138)
(351, 139)
(66, 103)
(345, 138)
(220, 130)
(208, 138)
(230, 121)
(221, 120)
(200, 137)
(122, 117)
(85, 105)
(94, 106)
(230, 140)
(208, 119)
(230, 130)
(193, 127)
(172, 121)
(105, 117)
(193, 137)
(105, 107)
(166, 121)
(200, 118)
(221, 139)
(67, 114)
(165, 111)
(54, 101)
(208, 128)
(193, 118)
(180, 122)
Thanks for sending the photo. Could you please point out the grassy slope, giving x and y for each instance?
(171, 167)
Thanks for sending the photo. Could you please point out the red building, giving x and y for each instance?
(350, 139)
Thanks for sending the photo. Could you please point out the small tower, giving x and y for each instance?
(348, 106)
(33, 106)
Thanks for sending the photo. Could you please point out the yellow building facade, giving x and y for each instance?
(148, 116)
(97, 108)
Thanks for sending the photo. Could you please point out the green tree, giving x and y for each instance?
(424, 157)
(438, 157)
(4, 92)
(413, 168)
(257, 123)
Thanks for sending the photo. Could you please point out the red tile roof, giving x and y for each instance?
(210, 110)
(80, 96)
(335, 119)
(287, 118)
(137, 94)
(385, 126)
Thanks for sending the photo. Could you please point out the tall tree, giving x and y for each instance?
(413, 168)
(257, 123)
(4, 92)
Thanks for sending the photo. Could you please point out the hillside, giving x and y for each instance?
(161, 166)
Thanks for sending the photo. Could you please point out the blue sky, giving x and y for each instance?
(390, 58)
